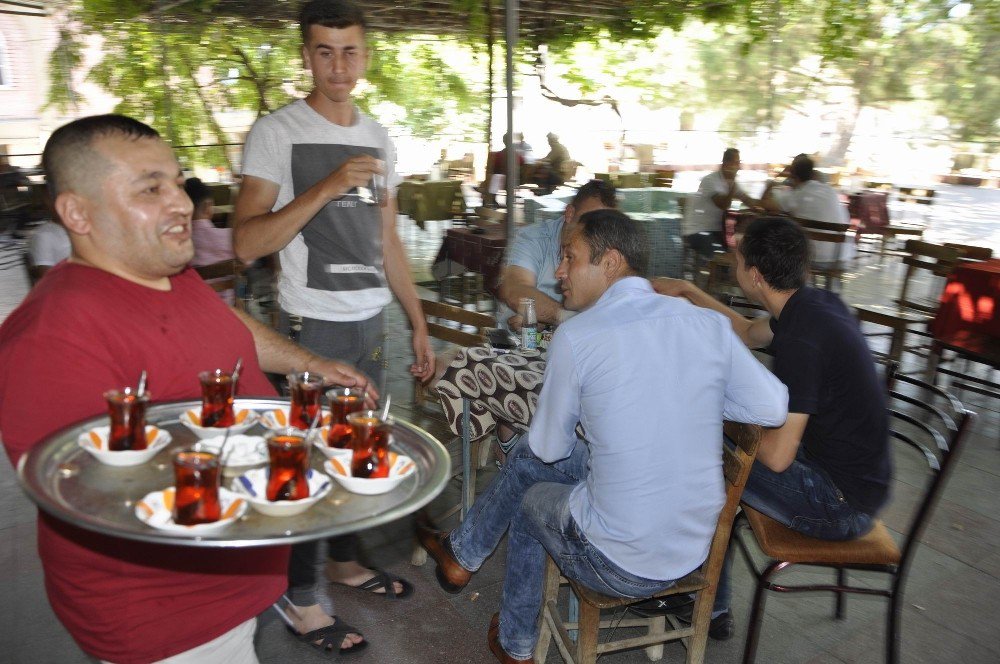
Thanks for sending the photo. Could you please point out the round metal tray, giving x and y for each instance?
(70, 484)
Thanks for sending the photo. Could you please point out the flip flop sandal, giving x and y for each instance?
(382, 579)
(329, 638)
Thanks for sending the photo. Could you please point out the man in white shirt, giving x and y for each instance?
(48, 245)
(808, 198)
(705, 215)
(319, 184)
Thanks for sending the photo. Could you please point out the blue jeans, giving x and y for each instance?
(803, 498)
(531, 498)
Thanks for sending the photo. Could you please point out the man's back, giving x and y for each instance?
(650, 380)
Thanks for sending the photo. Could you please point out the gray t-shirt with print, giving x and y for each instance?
(331, 270)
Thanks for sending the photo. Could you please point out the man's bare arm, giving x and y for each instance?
(754, 332)
(779, 446)
(258, 232)
(276, 354)
(518, 282)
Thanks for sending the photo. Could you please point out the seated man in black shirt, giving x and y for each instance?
(824, 473)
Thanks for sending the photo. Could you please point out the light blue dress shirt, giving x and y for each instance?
(650, 378)
(536, 248)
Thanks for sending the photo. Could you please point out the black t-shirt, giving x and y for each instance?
(821, 356)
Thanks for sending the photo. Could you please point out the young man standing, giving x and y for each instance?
(309, 171)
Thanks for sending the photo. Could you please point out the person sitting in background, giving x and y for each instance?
(48, 244)
(496, 164)
(557, 158)
(523, 148)
(826, 472)
(634, 506)
(806, 197)
(705, 215)
(211, 244)
(532, 259)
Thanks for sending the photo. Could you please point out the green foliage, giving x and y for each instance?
(751, 61)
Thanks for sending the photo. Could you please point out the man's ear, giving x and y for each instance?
(74, 212)
(613, 263)
(305, 58)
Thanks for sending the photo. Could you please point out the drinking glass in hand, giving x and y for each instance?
(128, 419)
(371, 444)
(217, 399)
(343, 402)
(375, 193)
(196, 480)
(289, 455)
(307, 395)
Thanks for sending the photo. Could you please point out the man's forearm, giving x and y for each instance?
(397, 273)
(263, 234)
(546, 309)
(275, 353)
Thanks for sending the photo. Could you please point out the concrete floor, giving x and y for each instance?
(952, 597)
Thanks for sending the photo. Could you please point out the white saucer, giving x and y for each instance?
(156, 510)
(95, 441)
(245, 419)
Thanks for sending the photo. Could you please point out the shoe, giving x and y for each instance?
(721, 628)
(493, 639)
(452, 576)
(329, 639)
(381, 581)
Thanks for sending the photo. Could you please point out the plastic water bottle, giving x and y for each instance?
(529, 324)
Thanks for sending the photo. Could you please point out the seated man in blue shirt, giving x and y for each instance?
(634, 507)
(826, 472)
(530, 267)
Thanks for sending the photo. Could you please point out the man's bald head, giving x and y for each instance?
(70, 159)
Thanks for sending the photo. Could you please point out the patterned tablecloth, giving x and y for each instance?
(499, 387)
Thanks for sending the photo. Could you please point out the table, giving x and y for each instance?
(481, 387)
(68, 483)
(968, 323)
(434, 199)
(970, 301)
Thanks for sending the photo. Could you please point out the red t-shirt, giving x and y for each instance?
(83, 331)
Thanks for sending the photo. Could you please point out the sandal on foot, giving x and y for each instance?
(330, 638)
(382, 579)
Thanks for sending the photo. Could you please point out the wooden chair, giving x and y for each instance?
(223, 277)
(910, 312)
(926, 419)
(703, 582)
(450, 323)
(446, 322)
(971, 252)
(832, 272)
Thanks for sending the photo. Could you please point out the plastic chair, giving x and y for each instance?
(928, 420)
(737, 463)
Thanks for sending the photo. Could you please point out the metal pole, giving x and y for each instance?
(510, 35)
(489, 78)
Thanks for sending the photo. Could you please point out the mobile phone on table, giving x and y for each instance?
(501, 339)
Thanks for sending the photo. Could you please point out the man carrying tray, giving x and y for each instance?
(121, 304)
